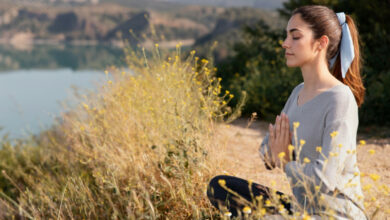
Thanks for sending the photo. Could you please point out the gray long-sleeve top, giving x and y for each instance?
(332, 167)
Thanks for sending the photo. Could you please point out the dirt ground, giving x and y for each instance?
(236, 153)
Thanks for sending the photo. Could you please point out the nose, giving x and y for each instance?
(285, 44)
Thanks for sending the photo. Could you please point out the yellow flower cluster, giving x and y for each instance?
(333, 134)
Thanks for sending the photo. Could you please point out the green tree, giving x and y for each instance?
(259, 68)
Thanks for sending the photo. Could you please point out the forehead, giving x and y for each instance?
(296, 24)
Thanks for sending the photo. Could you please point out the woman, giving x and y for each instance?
(323, 112)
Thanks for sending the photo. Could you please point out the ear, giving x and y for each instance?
(323, 42)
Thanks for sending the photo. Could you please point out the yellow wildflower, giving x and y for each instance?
(281, 155)
(302, 142)
(281, 208)
(290, 147)
(228, 214)
(319, 149)
(259, 198)
(85, 106)
(267, 202)
(231, 96)
(296, 124)
(227, 92)
(333, 134)
(306, 217)
(367, 187)
(362, 142)
(263, 211)
(247, 210)
(374, 176)
(222, 182)
(340, 145)
(306, 160)
(371, 151)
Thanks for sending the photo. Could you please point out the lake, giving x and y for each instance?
(34, 82)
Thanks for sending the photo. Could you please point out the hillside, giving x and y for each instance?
(264, 4)
(103, 22)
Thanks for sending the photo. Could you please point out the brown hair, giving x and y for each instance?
(324, 21)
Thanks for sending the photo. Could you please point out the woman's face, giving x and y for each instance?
(298, 45)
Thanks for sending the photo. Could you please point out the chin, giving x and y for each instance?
(291, 64)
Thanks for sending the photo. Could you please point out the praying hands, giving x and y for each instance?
(279, 139)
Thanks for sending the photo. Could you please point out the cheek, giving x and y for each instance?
(302, 49)
(302, 53)
(301, 46)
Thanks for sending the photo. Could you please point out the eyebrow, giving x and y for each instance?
(293, 29)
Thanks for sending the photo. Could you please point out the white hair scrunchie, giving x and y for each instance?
(346, 50)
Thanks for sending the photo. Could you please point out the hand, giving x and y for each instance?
(279, 138)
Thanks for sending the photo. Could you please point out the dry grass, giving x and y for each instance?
(136, 149)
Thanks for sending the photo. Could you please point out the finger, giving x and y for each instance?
(286, 128)
(282, 128)
(277, 132)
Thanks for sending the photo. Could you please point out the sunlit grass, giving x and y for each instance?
(135, 149)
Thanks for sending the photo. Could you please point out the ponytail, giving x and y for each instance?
(352, 78)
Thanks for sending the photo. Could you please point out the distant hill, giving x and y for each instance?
(108, 21)
(228, 30)
(265, 4)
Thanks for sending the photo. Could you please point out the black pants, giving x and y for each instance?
(226, 195)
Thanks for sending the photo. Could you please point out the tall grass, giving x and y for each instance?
(134, 149)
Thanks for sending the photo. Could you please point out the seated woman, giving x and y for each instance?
(313, 140)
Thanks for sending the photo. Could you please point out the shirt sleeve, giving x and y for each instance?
(265, 153)
(339, 137)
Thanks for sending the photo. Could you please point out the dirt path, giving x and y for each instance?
(236, 152)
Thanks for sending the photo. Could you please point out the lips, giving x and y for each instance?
(288, 54)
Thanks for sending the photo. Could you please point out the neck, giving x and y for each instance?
(316, 76)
